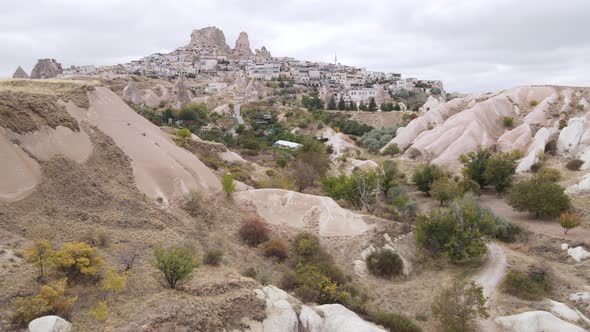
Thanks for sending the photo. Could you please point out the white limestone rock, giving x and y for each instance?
(430, 103)
(578, 253)
(242, 47)
(538, 146)
(582, 185)
(518, 138)
(535, 321)
(280, 315)
(569, 139)
(50, 324)
(334, 318)
(563, 311)
(583, 297)
(131, 94)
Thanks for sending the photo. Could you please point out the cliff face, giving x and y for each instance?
(20, 73)
(46, 68)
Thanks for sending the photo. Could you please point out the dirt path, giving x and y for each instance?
(489, 277)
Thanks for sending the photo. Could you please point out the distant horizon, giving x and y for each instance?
(481, 46)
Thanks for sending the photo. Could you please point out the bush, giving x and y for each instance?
(385, 263)
(227, 183)
(307, 246)
(183, 133)
(568, 221)
(457, 232)
(288, 281)
(254, 232)
(262, 276)
(78, 258)
(303, 174)
(100, 312)
(506, 231)
(508, 121)
(538, 196)
(276, 248)
(282, 162)
(531, 285)
(51, 299)
(475, 165)
(425, 175)
(176, 263)
(459, 306)
(499, 170)
(391, 150)
(549, 174)
(40, 255)
(394, 322)
(574, 164)
(193, 203)
(445, 190)
(213, 257)
(533, 103)
(377, 138)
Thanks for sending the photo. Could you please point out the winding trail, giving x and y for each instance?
(489, 277)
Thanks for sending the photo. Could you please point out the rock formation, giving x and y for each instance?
(209, 39)
(46, 68)
(263, 53)
(50, 324)
(242, 45)
(20, 73)
(180, 93)
(131, 94)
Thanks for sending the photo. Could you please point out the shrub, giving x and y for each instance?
(391, 150)
(574, 164)
(459, 306)
(304, 175)
(262, 276)
(51, 299)
(457, 232)
(176, 263)
(100, 312)
(227, 183)
(538, 196)
(288, 281)
(276, 248)
(551, 147)
(39, 254)
(213, 257)
(306, 246)
(506, 231)
(377, 138)
(193, 203)
(282, 162)
(568, 221)
(549, 174)
(113, 281)
(78, 258)
(394, 322)
(254, 232)
(533, 103)
(531, 285)
(425, 175)
(468, 185)
(445, 190)
(508, 121)
(385, 263)
(536, 167)
(183, 133)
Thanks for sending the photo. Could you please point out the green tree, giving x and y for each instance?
(352, 106)
(499, 170)
(445, 190)
(372, 105)
(539, 196)
(183, 133)
(78, 258)
(475, 165)
(282, 161)
(39, 254)
(362, 106)
(227, 183)
(331, 103)
(313, 152)
(568, 221)
(341, 104)
(176, 263)
(303, 174)
(425, 175)
(459, 306)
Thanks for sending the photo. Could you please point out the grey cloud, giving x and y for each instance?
(472, 45)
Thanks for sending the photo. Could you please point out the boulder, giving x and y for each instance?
(535, 321)
(280, 315)
(568, 143)
(50, 324)
(582, 185)
(334, 318)
(46, 68)
(563, 311)
(578, 253)
(20, 73)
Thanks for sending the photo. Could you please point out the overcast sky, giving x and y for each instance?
(472, 45)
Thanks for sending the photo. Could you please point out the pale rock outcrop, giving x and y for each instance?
(211, 39)
(280, 314)
(404, 246)
(582, 297)
(20, 73)
(518, 138)
(263, 53)
(131, 94)
(150, 98)
(46, 68)
(340, 142)
(582, 185)
(242, 47)
(539, 115)
(430, 103)
(561, 310)
(524, 95)
(538, 146)
(180, 93)
(50, 324)
(364, 165)
(568, 143)
(578, 253)
(535, 321)
(318, 214)
(334, 318)
(19, 173)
